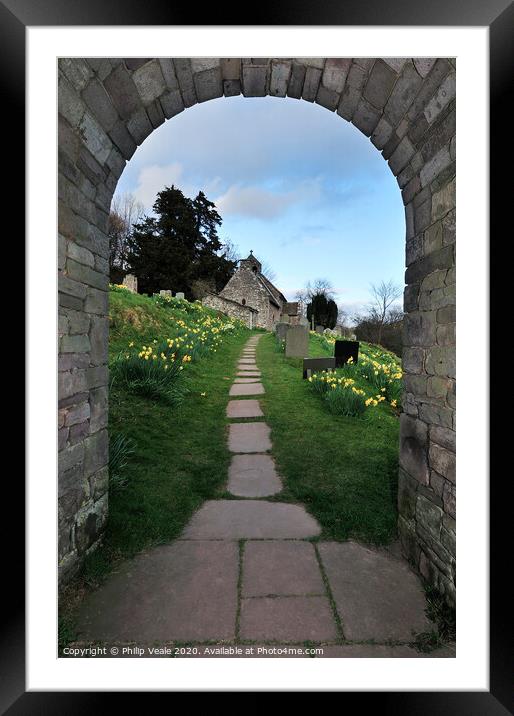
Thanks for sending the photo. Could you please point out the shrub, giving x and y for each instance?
(151, 378)
(121, 448)
(345, 401)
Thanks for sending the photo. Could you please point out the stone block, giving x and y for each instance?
(327, 98)
(231, 88)
(379, 85)
(155, 113)
(413, 359)
(419, 329)
(86, 275)
(76, 70)
(382, 133)
(75, 344)
(436, 260)
(440, 360)
(184, 74)
(311, 83)
(99, 338)
(403, 94)
(429, 516)
(296, 80)
(281, 330)
(208, 84)
(443, 461)
(123, 140)
(171, 103)
(444, 94)
(440, 69)
(122, 92)
(95, 138)
(169, 74)
(335, 73)
(149, 81)
(255, 80)
(100, 104)
(97, 301)
(413, 448)
(139, 126)
(96, 452)
(401, 155)
(297, 342)
(435, 165)
(231, 68)
(407, 494)
(365, 117)
(445, 437)
(424, 65)
(434, 414)
(279, 80)
(443, 201)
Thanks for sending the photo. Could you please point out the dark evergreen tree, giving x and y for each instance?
(324, 311)
(179, 246)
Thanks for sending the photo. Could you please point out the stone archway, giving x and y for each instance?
(107, 107)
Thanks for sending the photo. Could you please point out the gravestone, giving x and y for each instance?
(297, 342)
(179, 294)
(319, 329)
(343, 350)
(130, 282)
(165, 293)
(281, 330)
(313, 365)
(302, 321)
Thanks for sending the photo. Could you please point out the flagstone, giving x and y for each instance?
(285, 568)
(249, 373)
(253, 476)
(248, 437)
(250, 519)
(239, 381)
(248, 389)
(244, 409)
(294, 619)
(377, 596)
(246, 360)
(181, 591)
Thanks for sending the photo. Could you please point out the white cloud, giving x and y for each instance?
(262, 203)
(154, 178)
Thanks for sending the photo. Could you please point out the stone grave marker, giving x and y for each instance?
(179, 294)
(297, 342)
(303, 321)
(165, 292)
(319, 329)
(281, 330)
(130, 282)
(313, 365)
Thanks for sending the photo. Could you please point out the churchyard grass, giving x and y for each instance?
(343, 469)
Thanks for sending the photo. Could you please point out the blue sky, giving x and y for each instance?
(294, 182)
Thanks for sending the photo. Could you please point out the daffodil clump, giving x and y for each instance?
(379, 368)
(155, 368)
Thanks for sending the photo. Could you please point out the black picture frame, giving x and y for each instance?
(498, 15)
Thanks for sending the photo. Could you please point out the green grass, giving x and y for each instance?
(179, 453)
(343, 469)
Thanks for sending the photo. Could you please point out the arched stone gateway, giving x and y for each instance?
(107, 107)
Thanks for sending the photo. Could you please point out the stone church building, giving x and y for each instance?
(251, 297)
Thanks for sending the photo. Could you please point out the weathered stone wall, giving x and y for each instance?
(244, 284)
(107, 107)
(231, 308)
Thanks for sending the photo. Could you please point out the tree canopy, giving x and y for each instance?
(179, 246)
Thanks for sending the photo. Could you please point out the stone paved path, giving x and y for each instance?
(246, 569)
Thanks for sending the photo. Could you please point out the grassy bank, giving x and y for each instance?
(344, 469)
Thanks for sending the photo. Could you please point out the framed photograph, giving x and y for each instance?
(251, 342)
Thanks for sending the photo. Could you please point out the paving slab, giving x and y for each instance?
(181, 591)
(273, 567)
(247, 360)
(248, 437)
(377, 596)
(248, 389)
(250, 519)
(287, 619)
(247, 368)
(248, 374)
(244, 409)
(242, 381)
(253, 476)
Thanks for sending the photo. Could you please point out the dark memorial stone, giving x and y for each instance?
(311, 365)
(344, 350)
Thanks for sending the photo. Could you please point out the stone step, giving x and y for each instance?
(248, 437)
(244, 409)
(250, 519)
(248, 374)
(239, 381)
(253, 476)
(247, 389)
